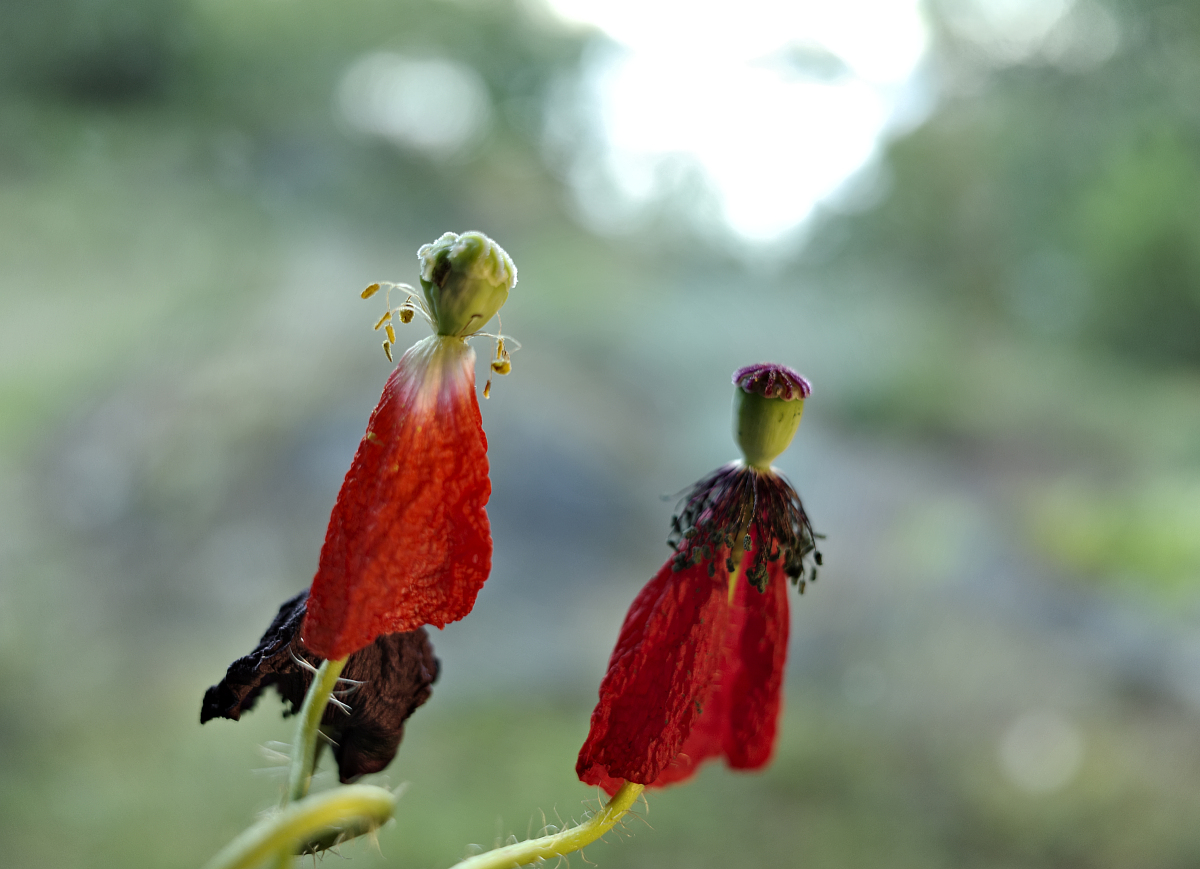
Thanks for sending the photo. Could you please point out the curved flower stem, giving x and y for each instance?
(558, 844)
(304, 746)
(285, 832)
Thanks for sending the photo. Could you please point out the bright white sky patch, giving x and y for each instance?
(731, 88)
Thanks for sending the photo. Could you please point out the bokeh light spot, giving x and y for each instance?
(433, 105)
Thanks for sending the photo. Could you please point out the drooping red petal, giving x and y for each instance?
(756, 684)
(741, 713)
(734, 711)
(658, 677)
(708, 731)
(408, 542)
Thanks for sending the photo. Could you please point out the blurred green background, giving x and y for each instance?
(1000, 666)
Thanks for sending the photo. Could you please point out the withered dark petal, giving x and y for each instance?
(269, 663)
(395, 674)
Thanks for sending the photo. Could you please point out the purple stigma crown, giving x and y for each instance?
(772, 381)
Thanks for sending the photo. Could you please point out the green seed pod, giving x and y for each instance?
(768, 401)
(466, 279)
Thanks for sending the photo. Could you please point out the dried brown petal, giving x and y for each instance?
(395, 672)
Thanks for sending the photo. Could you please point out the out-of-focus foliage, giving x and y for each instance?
(1145, 537)
(104, 51)
(1057, 199)
(263, 78)
(1046, 220)
(1009, 490)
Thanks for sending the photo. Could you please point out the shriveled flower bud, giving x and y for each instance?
(466, 279)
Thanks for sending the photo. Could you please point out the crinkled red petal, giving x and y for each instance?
(734, 710)
(755, 684)
(710, 732)
(707, 736)
(658, 676)
(408, 542)
(741, 712)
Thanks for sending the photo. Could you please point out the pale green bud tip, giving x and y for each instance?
(466, 278)
(767, 404)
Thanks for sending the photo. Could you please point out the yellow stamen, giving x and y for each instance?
(387, 349)
(391, 333)
(383, 320)
(487, 389)
(370, 291)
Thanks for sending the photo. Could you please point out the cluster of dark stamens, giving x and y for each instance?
(719, 514)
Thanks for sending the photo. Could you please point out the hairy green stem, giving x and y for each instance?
(558, 844)
(286, 831)
(308, 724)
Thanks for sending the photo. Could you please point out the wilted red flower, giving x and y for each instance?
(408, 542)
(697, 670)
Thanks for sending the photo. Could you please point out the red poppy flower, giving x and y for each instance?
(408, 542)
(697, 671)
